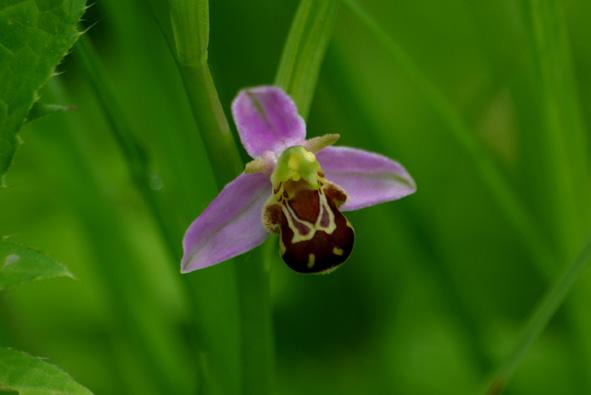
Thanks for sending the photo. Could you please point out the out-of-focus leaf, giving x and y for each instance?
(34, 36)
(304, 50)
(29, 375)
(19, 264)
(540, 318)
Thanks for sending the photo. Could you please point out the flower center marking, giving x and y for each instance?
(314, 236)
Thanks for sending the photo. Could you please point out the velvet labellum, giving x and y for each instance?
(314, 236)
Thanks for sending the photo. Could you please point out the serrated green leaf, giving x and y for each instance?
(19, 264)
(40, 110)
(28, 375)
(34, 36)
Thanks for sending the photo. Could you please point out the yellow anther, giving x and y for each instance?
(293, 163)
(309, 156)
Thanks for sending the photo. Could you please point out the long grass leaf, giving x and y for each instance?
(190, 28)
(563, 153)
(304, 50)
(539, 319)
(506, 198)
(117, 264)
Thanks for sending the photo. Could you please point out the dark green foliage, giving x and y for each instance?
(34, 37)
(19, 264)
(32, 376)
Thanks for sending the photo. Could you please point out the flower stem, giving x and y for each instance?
(190, 28)
(190, 32)
(211, 122)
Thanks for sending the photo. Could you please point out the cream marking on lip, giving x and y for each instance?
(291, 217)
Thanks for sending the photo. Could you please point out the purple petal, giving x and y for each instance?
(230, 225)
(368, 178)
(267, 120)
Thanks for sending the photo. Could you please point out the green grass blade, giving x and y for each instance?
(563, 147)
(28, 375)
(459, 131)
(561, 150)
(358, 115)
(304, 50)
(190, 27)
(33, 40)
(540, 318)
(256, 322)
(20, 264)
(138, 316)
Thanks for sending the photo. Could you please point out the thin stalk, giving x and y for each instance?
(211, 122)
(539, 319)
(190, 28)
(257, 326)
(508, 202)
(563, 151)
(252, 280)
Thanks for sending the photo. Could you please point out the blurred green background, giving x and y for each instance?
(439, 285)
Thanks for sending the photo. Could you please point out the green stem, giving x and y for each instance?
(540, 318)
(211, 122)
(505, 197)
(190, 26)
(256, 321)
(563, 152)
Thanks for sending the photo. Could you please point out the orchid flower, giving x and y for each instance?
(295, 187)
